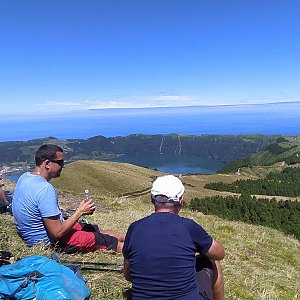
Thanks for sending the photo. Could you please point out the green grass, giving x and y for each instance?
(260, 263)
(104, 178)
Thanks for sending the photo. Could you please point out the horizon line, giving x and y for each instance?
(73, 112)
(200, 105)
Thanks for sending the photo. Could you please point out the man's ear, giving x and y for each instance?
(47, 164)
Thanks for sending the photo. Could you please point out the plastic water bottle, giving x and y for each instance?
(86, 198)
(86, 195)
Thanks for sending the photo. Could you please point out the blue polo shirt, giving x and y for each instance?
(161, 251)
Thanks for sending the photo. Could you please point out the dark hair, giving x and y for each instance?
(162, 201)
(159, 198)
(167, 205)
(47, 151)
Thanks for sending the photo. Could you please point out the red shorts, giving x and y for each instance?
(86, 237)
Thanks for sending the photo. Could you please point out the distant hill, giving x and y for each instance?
(283, 150)
(226, 148)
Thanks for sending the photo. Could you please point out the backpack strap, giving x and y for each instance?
(32, 276)
(5, 257)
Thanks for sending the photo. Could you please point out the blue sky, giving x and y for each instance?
(63, 56)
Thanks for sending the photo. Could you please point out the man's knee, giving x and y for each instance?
(204, 276)
(218, 281)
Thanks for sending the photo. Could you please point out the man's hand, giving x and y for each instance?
(86, 207)
(58, 229)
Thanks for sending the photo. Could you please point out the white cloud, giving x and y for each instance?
(126, 102)
(150, 101)
(61, 104)
(144, 101)
(111, 104)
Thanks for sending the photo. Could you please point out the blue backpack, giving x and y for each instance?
(41, 278)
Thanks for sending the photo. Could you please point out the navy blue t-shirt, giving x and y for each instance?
(161, 251)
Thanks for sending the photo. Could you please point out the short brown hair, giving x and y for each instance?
(47, 151)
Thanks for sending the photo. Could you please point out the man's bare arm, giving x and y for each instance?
(216, 251)
(57, 229)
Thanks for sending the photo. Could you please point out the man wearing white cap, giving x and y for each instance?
(159, 250)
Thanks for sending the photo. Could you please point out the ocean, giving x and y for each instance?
(268, 119)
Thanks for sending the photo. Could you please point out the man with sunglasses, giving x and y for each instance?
(38, 217)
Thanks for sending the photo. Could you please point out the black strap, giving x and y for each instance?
(102, 269)
(88, 265)
(4, 262)
(32, 276)
(5, 255)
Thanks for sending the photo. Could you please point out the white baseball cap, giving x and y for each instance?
(169, 186)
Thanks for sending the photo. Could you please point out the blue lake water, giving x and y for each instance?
(174, 164)
(13, 176)
(167, 164)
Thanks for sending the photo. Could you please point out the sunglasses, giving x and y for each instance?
(60, 162)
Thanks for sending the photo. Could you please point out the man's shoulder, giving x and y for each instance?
(190, 223)
(140, 224)
(33, 185)
(28, 178)
(140, 221)
(23, 176)
(188, 220)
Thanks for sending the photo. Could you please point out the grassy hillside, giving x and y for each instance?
(260, 263)
(124, 180)
(105, 179)
(287, 151)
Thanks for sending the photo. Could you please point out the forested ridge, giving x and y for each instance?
(226, 148)
(285, 183)
(283, 149)
(281, 215)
